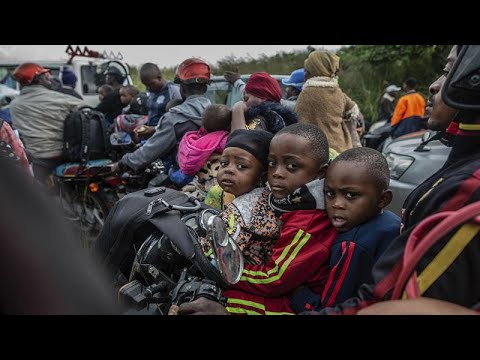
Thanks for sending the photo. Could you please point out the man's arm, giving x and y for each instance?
(156, 147)
(420, 306)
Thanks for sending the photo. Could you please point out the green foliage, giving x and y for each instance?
(365, 69)
(136, 78)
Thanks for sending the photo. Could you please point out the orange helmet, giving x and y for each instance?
(26, 73)
(193, 70)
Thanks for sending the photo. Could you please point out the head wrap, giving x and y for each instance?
(322, 63)
(263, 86)
(256, 142)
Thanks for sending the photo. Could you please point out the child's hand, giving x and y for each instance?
(240, 106)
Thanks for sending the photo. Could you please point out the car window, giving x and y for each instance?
(6, 77)
(218, 92)
(89, 79)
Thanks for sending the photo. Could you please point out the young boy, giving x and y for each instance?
(356, 192)
(297, 161)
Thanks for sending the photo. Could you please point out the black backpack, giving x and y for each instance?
(84, 136)
(133, 219)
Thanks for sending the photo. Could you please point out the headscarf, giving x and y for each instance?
(322, 63)
(256, 142)
(263, 86)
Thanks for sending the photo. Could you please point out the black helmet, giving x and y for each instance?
(462, 86)
(117, 70)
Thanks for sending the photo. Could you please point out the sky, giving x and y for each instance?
(163, 55)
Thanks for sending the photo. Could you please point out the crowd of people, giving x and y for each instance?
(299, 195)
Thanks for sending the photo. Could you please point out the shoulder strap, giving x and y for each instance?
(425, 236)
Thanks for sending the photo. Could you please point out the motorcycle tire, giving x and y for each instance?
(91, 224)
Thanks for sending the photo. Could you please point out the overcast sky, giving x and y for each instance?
(163, 55)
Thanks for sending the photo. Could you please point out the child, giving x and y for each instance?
(135, 112)
(297, 161)
(196, 147)
(103, 91)
(356, 192)
(243, 171)
(127, 95)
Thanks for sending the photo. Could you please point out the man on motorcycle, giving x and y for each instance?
(39, 114)
(193, 75)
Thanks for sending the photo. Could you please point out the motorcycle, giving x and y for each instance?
(184, 251)
(86, 192)
(168, 272)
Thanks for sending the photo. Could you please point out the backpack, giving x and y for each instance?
(85, 137)
(133, 219)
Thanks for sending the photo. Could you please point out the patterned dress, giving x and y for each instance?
(254, 229)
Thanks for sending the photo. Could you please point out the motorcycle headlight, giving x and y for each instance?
(398, 164)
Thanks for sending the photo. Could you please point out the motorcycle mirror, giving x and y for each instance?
(120, 138)
(229, 257)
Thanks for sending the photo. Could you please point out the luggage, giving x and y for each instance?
(85, 137)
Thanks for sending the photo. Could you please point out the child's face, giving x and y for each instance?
(125, 97)
(240, 172)
(291, 164)
(351, 196)
(101, 95)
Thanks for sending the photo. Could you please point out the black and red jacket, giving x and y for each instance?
(300, 258)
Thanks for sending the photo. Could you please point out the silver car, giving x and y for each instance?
(411, 164)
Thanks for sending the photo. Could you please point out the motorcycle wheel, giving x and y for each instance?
(92, 210)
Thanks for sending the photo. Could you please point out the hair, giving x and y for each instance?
(372, 161)
(172, 103)
(106, 89)
(411, 83)
(131, 90)
(217, 117)
(150, 69)
(194, 89)
(316, 138)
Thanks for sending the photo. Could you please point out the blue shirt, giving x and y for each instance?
(158, 101)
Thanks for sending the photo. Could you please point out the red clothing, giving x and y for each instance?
(8, 135)
(300, 257)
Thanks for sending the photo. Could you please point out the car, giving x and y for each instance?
(7, 94)
(220, 91)
(411, 163)
(376, 135)
(88, 69)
